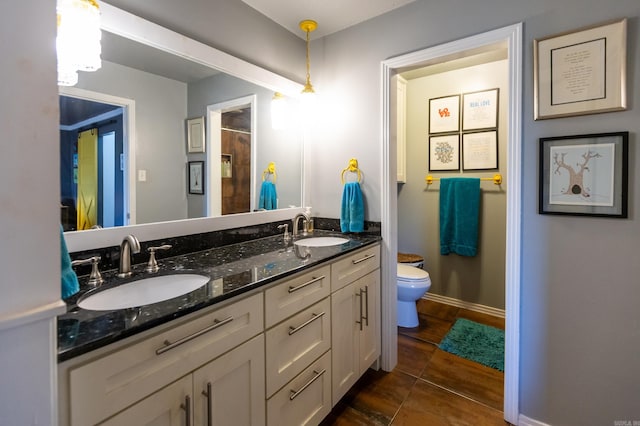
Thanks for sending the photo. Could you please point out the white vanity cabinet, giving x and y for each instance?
(355, 306)
(280, 356)
(100, 384)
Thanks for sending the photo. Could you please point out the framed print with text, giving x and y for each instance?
(480, 150)
(480, 110)
(444, 114)
(581, 72)
(584, 175)
(444, 152)
(196, 177)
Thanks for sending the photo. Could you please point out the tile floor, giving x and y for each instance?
(428, 386)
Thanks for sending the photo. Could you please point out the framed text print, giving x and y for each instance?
(444, 114)
(581, 72)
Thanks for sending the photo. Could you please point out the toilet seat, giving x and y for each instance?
(411, 274)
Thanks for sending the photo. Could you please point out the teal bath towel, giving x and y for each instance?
(268, 196)
(459, 212)
(352, 212)
(69, 282)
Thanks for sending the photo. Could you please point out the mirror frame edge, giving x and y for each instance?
(125, 24)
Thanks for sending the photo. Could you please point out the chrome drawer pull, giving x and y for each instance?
(207, 393)
(187, 409)
(367, 257)
(313, 280)
(293, 330)
(366, 304)
(294, 393)
(168, 345)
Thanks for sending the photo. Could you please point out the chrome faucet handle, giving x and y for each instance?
(286, 235)
(95, 278)
(152, 265)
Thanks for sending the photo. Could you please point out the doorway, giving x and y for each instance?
(512, 36)
(231, 147)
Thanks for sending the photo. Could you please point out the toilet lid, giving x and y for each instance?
(411, 273)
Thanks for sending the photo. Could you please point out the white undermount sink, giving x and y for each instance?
(143, 292)
(321, 241)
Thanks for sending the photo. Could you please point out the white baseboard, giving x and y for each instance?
(466, 305)
(526, 421)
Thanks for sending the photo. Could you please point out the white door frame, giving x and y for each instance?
(512, 36)
(128, 140)
(213, 146)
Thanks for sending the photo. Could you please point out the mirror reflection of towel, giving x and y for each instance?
(459, 212)
(69, 279)
(268, 197)
(352, 212)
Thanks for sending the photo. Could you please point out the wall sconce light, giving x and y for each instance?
(78, 39)
(308, 94)
(278, 111)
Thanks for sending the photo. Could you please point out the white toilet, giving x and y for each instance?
(412, 284)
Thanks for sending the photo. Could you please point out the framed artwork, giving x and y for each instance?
(581, 72)
(480, 110)
(196, 177)
(444, 152)
(480, 150)
(195, 135)
(444, 114)
(584, 175)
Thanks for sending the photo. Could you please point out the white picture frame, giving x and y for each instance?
(195, 135)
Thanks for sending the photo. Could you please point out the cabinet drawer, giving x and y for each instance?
(295, 294)
(354, 266)
(306, 399)
(105, 386)
(293, 344)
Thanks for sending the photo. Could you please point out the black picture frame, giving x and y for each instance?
(444, 152)
(196, 177)
(480, 110)
(480, 150)
(584, 175)
(444, 114)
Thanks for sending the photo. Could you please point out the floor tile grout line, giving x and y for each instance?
(468, 398)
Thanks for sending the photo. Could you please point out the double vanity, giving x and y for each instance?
(276, 335)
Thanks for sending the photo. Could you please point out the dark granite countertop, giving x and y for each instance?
(233, 269)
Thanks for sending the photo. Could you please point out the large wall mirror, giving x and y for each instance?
(135, 114)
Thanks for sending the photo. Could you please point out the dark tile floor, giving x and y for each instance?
(428, 386)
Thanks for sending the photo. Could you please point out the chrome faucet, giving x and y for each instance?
(296, 221)
(130, 245)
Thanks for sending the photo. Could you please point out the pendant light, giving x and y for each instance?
(308, 93)
(78, 39)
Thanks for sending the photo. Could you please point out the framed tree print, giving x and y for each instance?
(584, 175)
(196, 177)
(444, 114)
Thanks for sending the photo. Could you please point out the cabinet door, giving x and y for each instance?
(345, 310)
(369, 288)
(170, 406)
(230, 389)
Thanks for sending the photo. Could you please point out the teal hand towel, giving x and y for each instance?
(69, 281)
(268, 196)
(459, 212)
(352, 211)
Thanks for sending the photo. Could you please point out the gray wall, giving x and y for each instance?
(160, 111)
(580, 332)
(478, 279)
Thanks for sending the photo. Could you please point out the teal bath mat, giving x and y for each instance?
(476, 342)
